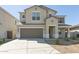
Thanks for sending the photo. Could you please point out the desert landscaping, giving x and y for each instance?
(64, 46)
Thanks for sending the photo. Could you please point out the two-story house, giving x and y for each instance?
(40, 21)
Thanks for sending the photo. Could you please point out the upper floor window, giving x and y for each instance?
(23, 16)
(60, 33)
(35, 15)
(61, 20)
(50, 15)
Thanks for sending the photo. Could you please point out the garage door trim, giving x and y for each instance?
(30, 28)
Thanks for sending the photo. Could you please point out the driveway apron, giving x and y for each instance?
(27, 46)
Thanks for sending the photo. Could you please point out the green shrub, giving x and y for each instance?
(73, 38)
(77, 38)
(2, 40)
(67, 39)
(57, 41)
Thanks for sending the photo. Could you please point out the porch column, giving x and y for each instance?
(44, 34)
(63, 33)
(56, 32)
(68, 35)
(18, 33)
(47, 32)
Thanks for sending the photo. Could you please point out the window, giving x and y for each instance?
(50, 15)
(60, 21)
(23, 22)
(60, 33)
(77, 35)
(35, 16)
(23, 16)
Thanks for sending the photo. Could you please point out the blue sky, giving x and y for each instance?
(71, 11)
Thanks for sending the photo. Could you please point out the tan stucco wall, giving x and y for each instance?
(51, 12)
(28, 13)
(7, 23)
(52, 22)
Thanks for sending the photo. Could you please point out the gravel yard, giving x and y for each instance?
(71, 46)
(67, 49)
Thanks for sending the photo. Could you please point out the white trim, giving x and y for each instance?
(31, 27)
(63, 26)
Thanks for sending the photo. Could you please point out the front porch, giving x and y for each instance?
(64, 32)
(59, 32)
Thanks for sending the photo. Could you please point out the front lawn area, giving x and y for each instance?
(74, 48)
(65, 46)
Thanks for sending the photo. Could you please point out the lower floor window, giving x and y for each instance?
(60, 33)
(78, 35)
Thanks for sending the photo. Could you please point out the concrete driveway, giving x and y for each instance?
(27, 46)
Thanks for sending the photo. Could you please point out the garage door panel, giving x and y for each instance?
(31, 33)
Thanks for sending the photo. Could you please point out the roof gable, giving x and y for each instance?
(43, 7)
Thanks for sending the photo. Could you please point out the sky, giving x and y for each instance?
(71, 11)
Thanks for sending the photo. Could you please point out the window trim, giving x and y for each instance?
(39, 15)
(23, 16)
(60, 21)
(50, 15)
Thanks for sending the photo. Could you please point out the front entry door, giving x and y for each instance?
(9, 34)
(51, 32)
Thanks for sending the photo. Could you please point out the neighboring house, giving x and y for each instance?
(74, 30)
(7, 25)
(40, 21)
